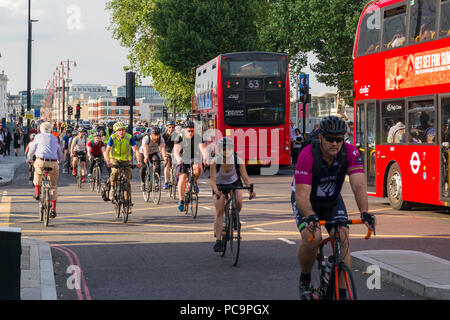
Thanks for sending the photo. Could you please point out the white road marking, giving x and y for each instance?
(286, 240)
(259, 229)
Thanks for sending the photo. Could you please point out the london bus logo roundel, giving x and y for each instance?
(415, 163)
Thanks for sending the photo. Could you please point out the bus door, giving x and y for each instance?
(365, 140)
(444, 142)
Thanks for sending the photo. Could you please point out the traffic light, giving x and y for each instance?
(77, 114)
(305, 97)
(70, 110)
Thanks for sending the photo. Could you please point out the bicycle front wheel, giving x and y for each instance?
(341, 270)
(125, 199)
(225, 231)
(156, 189)
(235, 236)
(174, 184)
(193, 205)
(98, 179)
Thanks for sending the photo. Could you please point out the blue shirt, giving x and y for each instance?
(45, 146)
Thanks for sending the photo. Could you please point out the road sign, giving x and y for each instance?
(29, 114)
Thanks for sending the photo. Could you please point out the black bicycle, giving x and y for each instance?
(122, 193)
(81, 158)
(152, 186)
(44, 198)
(333, 268)
(191, 194)
(231, 231)
(172, 179)
(96, 178)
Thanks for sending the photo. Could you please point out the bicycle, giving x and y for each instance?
(191, 195)
(81, 158)
(232, 225)
(96, 178)
(172, 180)
(331, 269)
(152, 187)
(122, 195)
(44, 198)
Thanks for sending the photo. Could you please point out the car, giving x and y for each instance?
(138, 132)
(86, 124)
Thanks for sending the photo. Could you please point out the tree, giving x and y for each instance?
(325, 27)
(168, 39)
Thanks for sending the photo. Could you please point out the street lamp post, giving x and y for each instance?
(30, 21)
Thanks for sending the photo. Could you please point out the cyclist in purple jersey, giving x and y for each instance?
(318, 196)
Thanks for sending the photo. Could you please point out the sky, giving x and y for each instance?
(67, 29)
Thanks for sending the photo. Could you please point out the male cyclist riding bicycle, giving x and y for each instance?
(95, 149)
(118, 152)
(151, 147)
(169, 138)
(226, 169)
(78, 153)
(189, 149)
(316, 193)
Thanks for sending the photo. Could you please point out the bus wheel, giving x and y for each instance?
(395, 189)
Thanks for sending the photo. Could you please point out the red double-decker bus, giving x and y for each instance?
(402, 100)
(245, 96)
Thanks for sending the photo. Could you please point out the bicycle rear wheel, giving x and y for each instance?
(92, 181)
(148, 184)
(174, 183)
(98, 179)
(333, 289)
(156, 188)
(47, 208)
(235, 235)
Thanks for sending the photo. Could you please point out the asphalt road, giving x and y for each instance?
(163, 254)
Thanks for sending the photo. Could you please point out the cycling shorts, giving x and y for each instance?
(332, 211)
(81, 155)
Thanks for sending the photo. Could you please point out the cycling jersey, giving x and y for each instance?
(153, 147)
(96, 149)
(121, 148)
(170, 141)
(190, 148)
(327, 185)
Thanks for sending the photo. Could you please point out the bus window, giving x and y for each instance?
(422, 128)
(393, 122)
(394, 28)
(423, 21)
(445, 18)
(369, 35)
(252, 68)
(445, 120)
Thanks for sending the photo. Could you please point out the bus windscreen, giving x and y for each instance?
(252, 68)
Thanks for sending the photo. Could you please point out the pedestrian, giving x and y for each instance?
(16, 140)
(292, 136)
(7, 140)
(2, 143)
(25, 139)
(296, 145)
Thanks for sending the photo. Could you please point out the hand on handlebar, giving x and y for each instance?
(369, 221)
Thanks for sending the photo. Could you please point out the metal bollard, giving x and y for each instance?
(10, 252)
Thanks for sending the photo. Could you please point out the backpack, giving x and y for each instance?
(313, 139)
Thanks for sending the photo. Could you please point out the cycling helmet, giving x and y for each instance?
(155, 130)
(189, 124)
(80, 129)
(96, 134)
(119, 126)
(170, 123)
(74, 132)
(332, 125)
(110, 124)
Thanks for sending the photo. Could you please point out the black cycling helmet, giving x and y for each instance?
(189, 124)
(332, 125)
(155, 130)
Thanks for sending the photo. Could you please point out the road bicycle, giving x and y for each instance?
(325, 283)
(44, 198)
(152, 186)
(191, 194)
(231, 231)
(172, 179)
(96, 178)
(122, 193)
(81, 158)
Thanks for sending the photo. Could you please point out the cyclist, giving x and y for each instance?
(78, 152)
(30, 166)
(48, 152)
(109, 131)
(189, 149)
(118, 151)
(230, 172)
(316, 194)
(169, 139)
(66, 142)
(95, 149)
(151, 146)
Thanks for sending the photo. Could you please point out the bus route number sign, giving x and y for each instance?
(254, 84)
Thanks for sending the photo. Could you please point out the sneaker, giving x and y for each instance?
(218, 246)
(84, 179)
(142, 186)
(305, 290)
(36, 197)
(74, 172)
(181, 205)
(53, 214)
(197, 190)
(166, 185)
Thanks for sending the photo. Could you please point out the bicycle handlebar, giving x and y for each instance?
(117, 166)
(229, 188)
(338, 222)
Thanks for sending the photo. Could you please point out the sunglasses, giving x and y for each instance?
(191, 130)
(332, 139)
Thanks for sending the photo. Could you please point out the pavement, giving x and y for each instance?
(425, 275)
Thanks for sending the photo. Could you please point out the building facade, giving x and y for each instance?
(105, 109)
(3, 97)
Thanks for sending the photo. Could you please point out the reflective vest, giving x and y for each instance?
(121, 149)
